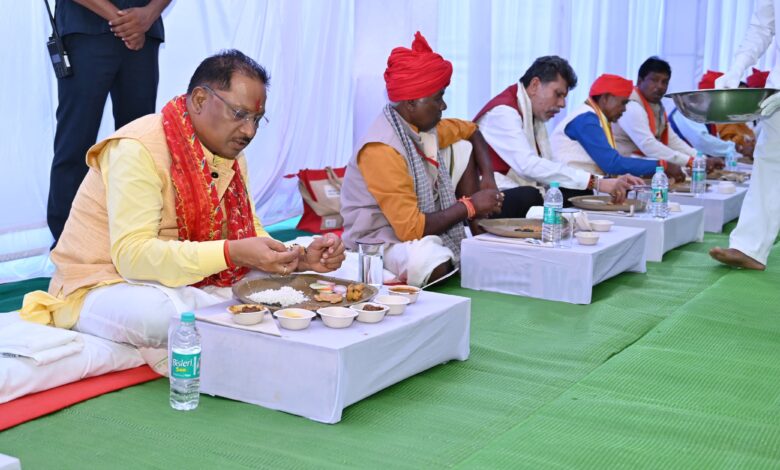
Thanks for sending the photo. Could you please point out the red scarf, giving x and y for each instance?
(651, 118)
(199, 214)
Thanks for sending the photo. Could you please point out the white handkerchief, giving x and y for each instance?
(42, 344)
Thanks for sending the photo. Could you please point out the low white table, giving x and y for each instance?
(662, 234)
(319, 371)
(9, 463)
(718, 208)
(505, 265)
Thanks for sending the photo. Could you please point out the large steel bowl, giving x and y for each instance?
(722, 105)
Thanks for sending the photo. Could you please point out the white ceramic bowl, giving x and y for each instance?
(337, 317)
(369, 316)
(675, 207)
(727, 187)
(410, 292)
(396, 304)
(247, 318)
(587, 238)
(294, 318)
(601, 225)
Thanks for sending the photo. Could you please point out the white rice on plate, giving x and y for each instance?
(284, 296)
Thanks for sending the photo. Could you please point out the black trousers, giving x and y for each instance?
(517, 201)
(569, 193)
(102, 65)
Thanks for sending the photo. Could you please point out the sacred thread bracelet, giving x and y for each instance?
(226, 252)
(470, 210)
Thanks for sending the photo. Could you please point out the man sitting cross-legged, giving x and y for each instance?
(403, 183)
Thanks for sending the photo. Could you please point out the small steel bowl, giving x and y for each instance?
(722, 105)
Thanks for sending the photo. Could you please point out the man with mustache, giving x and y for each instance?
(514, 125)
(414, 179)
(164, 221)
(584, 139)
(643, 129)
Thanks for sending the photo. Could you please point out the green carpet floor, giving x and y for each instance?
(676, 368)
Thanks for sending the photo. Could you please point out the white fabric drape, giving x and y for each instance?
(326, 59)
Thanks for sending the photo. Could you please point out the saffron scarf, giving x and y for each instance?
(603, 121)
(651, 118)
(199, 215)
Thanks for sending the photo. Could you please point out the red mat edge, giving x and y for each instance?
(39, 404)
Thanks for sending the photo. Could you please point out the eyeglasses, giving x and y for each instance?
(259, 120)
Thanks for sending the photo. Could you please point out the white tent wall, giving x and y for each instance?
(326, 59)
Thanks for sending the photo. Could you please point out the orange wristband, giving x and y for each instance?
(663, 164)
(690, 162)
(226, 252)
(470, 210)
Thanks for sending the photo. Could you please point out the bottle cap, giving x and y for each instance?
(659, 169)
(188, 317)
(554, 184)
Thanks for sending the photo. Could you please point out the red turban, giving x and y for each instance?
(708, 80)
(612, 84)
(757, 79)
(417, 72)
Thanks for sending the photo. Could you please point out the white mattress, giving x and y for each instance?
(19, 377)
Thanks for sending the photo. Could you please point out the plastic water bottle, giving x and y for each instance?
(699, 175)
(731, 160)
(551, 223)
(185, 364)
(659, 204)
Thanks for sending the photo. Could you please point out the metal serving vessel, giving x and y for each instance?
(722, 105)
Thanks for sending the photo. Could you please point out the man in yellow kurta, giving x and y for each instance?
(402, 186)
(164, 220)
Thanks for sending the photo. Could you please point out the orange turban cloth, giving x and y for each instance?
(707, 81)
(612, 84)
(757, 79)
(417, 72)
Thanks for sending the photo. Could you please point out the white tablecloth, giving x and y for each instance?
(718, 208)
(503, 265)
(662, 234)
(319, 371)
(9, 463)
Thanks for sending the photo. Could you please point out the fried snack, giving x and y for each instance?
(245, 308)
(331, 297)
(355, 292)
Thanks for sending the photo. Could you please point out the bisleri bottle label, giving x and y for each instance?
(552, 215)
(660, 195)
(185, 366)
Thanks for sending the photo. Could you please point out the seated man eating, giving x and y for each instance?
(702, 137)
(584, 139)
(744, 134)
(643, 129)
(164, 220)
(514, 125)
(403, 183)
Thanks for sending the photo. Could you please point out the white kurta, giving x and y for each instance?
(759, 220)
(503, 129)
(700, 138)
(632, 133)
